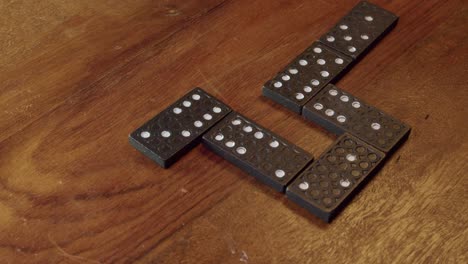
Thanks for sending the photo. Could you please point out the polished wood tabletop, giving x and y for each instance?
(76, 77)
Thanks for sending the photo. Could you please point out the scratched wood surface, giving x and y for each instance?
(76, 77)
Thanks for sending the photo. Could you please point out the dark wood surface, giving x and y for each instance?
(76, 77)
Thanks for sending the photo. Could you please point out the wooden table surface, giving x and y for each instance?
(76, 77)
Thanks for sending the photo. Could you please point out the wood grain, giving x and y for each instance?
(77, 77)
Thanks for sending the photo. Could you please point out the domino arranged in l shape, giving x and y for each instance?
(352, 36)
(324, 186)
(327, 60)
(255, 149)
(329, 183)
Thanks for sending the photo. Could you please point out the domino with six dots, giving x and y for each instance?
(339, 111)
(307, 74)
(257, 150)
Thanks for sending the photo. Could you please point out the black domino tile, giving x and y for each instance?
(360, 29)
(339, 112)
(256, 150)
(329, 183)
(309, 72)
(178, 128)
